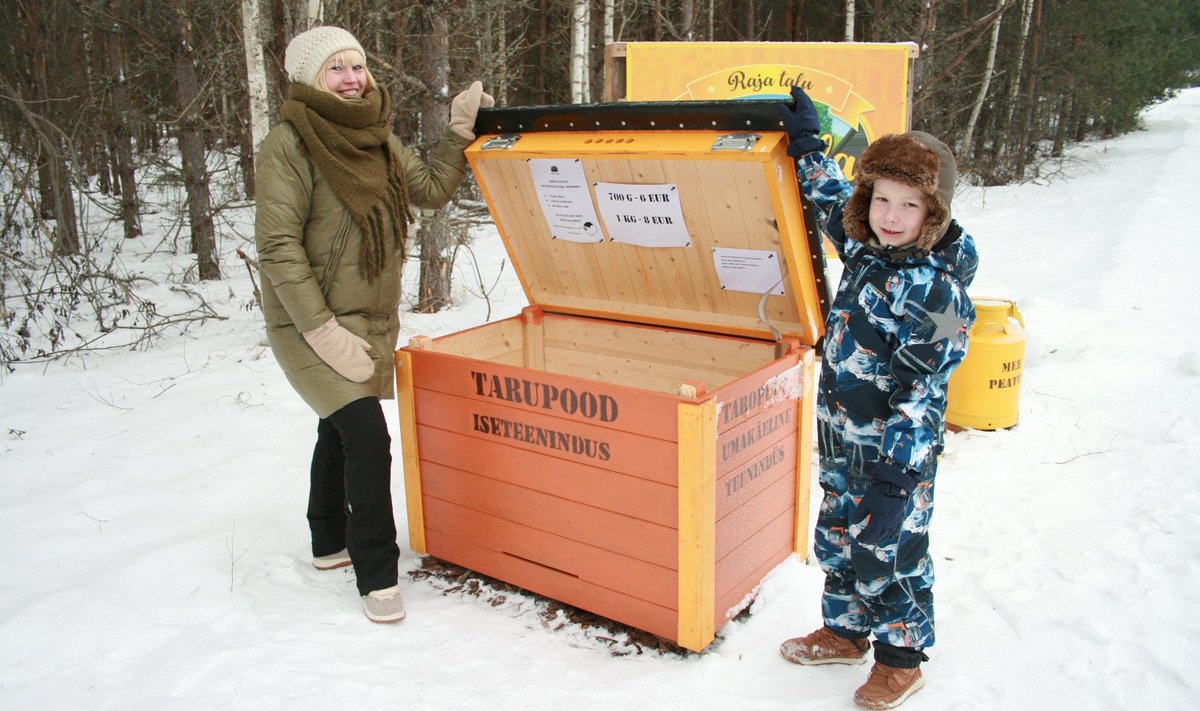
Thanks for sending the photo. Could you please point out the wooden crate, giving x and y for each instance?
(637, 443)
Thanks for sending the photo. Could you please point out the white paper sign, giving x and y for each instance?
(566, 203)
(645, 215)
(753, 270)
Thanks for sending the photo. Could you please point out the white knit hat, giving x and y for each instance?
(307, 52)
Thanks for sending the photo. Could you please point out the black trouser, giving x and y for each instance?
(350, 495)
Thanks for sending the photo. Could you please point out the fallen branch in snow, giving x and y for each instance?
(98, 521)
(234, 559)
(250, 265)
(148, 332)
(1110, 450)
(70, 306)
(96, 396)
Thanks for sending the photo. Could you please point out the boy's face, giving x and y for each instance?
(898, 212)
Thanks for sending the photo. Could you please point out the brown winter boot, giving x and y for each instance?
(888, 687)
(825, 647)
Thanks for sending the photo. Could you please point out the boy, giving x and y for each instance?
(897, 328)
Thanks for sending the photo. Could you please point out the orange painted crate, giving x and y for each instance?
(637, 443)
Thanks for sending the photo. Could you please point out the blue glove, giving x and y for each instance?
(802, 125)
(885, 501)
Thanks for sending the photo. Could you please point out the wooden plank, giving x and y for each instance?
(572, 520)
(765, 387)
(655, 287)
(745, 324)
(804, 448)
(721, 212)
(682, 350)
(741, 484)
(693, 268)
(750, 542)
(697, 545)
(567, 440)
(515, 359)
(733, 573)
(532, 236)
(749, 441)
(405, 402)
(802, 269)
(580, 262)
(611, 260)
(629, 576)
(557, 585)
(484, 342)
(631, 495)
(687, 285)
(533, 337)
(596, 404)
(747, 521)
(638, 374)
(644, 374)
(614, 71)
(532, 233)
(760, 220)
(739, 594)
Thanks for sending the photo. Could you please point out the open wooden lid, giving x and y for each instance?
(674, 214)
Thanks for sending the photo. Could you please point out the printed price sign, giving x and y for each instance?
(644, 215)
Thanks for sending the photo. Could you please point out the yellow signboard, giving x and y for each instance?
(861, 89)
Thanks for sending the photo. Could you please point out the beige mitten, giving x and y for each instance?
(465, 107)
(342, 350)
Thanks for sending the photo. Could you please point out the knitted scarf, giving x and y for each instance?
(348, 142)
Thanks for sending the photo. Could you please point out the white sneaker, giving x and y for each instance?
(384, 605)
(334, 560)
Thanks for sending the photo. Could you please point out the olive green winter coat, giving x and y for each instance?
(308, 252)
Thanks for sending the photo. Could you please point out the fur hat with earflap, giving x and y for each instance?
(916, 159)
(306, 53)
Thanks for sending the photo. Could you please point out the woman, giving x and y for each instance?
(334, 187)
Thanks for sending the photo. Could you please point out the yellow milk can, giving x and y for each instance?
(985, 389)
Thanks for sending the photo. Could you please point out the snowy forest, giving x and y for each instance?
(119, 111)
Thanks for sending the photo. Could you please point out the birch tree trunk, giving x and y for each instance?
(850, 12)
(434, 237)
(580, 25)
(609, 21)
(306, 14)
(256, 74)
(1014, 83)
(1031, 90)
(967, 147)
(191, 146)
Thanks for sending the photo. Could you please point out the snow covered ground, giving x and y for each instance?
(156, 555)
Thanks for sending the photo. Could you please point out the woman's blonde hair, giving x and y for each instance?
(345, 56)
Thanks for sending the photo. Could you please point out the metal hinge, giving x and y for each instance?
(736, 142)
(504, 142)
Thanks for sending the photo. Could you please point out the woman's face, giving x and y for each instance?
(345, 74)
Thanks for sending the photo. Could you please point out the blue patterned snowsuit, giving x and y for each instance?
(894, 333)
